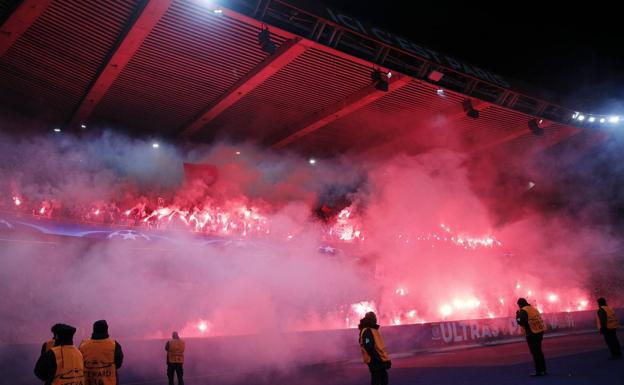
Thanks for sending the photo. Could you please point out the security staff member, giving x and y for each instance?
(102, 356)
(531, 321)
(175, 358)
(49, 344)
(608, 324)
(62, 364)
(374, 350)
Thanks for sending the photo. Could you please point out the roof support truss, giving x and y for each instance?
(128, 44)
(20, 20)
(287, 52)
(348, 105)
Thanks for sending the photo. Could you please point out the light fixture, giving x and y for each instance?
(602, 120)
(155, 145)
(440, 92)
(57, 130)
(535, 128)
(264, 39)
(83, 126)
(469, 109)
(312, 161)
(581, 118)
(614, 119)
(591, 119)
(380, 80)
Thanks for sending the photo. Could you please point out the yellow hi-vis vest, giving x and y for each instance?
(612, 320)
(536, 323)
(99, 361)
(380, 347)
(69, 366)
(175, 352)
(49, 344)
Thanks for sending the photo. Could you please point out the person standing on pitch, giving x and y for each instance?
(49, 344)
(62, 364)
(102, 356)
(531, 321)
(175, 358)
(607, 324)
(374, 350)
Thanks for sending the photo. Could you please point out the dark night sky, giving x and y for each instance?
(574, 53)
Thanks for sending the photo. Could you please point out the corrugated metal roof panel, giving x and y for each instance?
(190, 58)
(58, 56)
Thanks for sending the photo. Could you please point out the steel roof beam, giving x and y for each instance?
(287, 52)
(348, 105)
(19, 21)
(128, 44)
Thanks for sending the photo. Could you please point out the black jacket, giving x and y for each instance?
(602, 316)
(45, 368)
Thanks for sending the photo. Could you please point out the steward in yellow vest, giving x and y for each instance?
(373, 349)
(62, 364)
(530, 319)
(608, 323)
(49, 344)
(102, 356)
(175, 358)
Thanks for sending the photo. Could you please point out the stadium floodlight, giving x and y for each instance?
(469, 109)
(264, 39)
(614, 119)
(591, 119)
(380, 80)
(575, 115)
(535, 128)
(440, 92)
(581, 118)
(602, 120)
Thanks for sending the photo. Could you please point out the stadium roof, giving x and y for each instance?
(194, 69)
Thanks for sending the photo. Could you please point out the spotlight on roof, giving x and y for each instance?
(591, 119)
(602, 120)
(535, 128)
(264, 39)
(218, 11)
(435, 76)
(312, 161)
(83, 126)
(440, 92)
(614, 119)
(155, 145)
(57, 130)
(469, 109)
(580, 118)
(380, 79)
